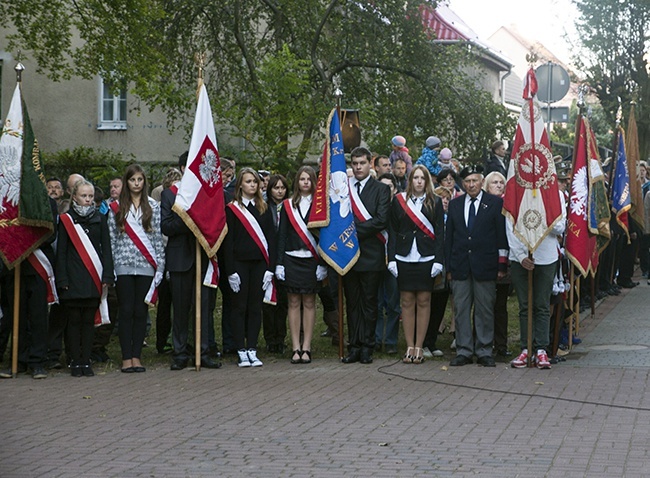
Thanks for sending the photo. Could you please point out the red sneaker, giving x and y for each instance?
(521, 361)
(541, 359)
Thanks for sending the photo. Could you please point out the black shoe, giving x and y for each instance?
(352, 357)
(628, 284)
(128, 370)
(139, 369)
(486, 361)
(366, 356)
(39, 372)
(75, 369)
(178, 364)
(209, 363)
(460, 360)
(86, 370)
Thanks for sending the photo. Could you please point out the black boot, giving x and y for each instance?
(87, 370)
(75, 368)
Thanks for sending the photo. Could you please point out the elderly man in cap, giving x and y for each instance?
(476, 253)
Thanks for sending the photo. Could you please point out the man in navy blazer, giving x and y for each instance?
(476, 252)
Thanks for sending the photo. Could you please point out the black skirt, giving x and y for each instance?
(300, 275)
(414, 276)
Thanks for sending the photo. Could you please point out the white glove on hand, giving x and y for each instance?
(266, 281)
(235, 282)
(436, 269)
(321, 273)
(392, 268)
(279, 272)
(158, 277)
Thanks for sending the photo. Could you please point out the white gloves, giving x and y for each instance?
(279, 272)
(158, 277)
(321, 273)
(392, 268)
(436, 269)
(235, 282)
(266, 281)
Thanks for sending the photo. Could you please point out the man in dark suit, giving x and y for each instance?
(361, 283)
(180, 254)
(497, 160)
(476, 252)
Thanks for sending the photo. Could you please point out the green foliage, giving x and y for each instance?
(270, 67)
(613, 36)
(597, 119)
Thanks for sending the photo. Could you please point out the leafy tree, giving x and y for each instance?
(613, 36)
(271, 66)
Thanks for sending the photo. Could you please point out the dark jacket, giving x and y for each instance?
(72, 278)
(238, 244)
(476, 253)
(402, 231)
(180, 251)
(288, 238)
(493, 164)
(376, 198)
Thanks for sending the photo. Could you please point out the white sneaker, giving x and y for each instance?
(453, 345)
(426, 353)
(244, 361)
(252, 357)
(521, 361)
(438, 353)
(541, 359)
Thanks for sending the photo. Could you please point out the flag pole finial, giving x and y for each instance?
(531, 58)
(338, 94)
(19, 67)
(582, 90)
(619, 112)
(199, 59)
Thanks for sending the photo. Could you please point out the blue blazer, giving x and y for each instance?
(475, 254)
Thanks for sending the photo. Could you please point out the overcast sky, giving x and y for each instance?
(542, 20)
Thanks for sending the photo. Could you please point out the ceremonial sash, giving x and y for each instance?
(211, 278)
(300, 227)
(361, 213)
(90, 259)
(255, 231)
(416, 216)
(138, 236)
(44, 269)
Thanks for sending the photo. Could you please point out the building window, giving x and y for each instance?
(112, 107)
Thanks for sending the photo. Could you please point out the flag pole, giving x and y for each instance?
(529, 330)
(14, 336)
(197, 309)
(338, 94)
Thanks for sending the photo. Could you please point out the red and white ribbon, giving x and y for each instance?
(211, 278)
(301, 228)
(90, 258)
(416, 216)
(44, 269)
(255, 231)
(362, 214)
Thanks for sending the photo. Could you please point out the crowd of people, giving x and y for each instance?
(428, 229)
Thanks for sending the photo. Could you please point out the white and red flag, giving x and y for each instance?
(200, 201)
(532, 200)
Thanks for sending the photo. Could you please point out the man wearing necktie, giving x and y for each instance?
(476, 251)
(361, 283)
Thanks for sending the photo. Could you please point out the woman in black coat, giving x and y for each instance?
(84, 269)
(415, 248)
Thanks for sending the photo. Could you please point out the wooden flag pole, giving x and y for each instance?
(530, 316)
(14, 336)
(577, 322)
(197, 310)
(341, 341)
(573, 305)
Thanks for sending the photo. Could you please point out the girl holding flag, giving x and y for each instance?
(84, 268)
(415, 245)
(249, 252)
(299, 265)
(139, 258)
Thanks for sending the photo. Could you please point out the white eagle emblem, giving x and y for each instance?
(9, 176)
(208, 168)
(579, 191)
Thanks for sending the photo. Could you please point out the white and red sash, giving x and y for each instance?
(416, 216)
(255, 230)
(44, 269)
(301, 228)
(361, 213)
(90, 258)
(138, 236)
(211, 278)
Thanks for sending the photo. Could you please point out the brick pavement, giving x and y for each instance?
(586, 417)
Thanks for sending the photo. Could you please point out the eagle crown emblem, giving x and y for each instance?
(208, 169)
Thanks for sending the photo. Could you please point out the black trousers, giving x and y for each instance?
(439, 299)
(247, 304)
(131, 291)
(32, 325)
(57, 323)
(103, 333)
(228, 341)
(275, 319)
(81, 327)
(182, 287)
(501, 317)
(361, 291)
(163, 314)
